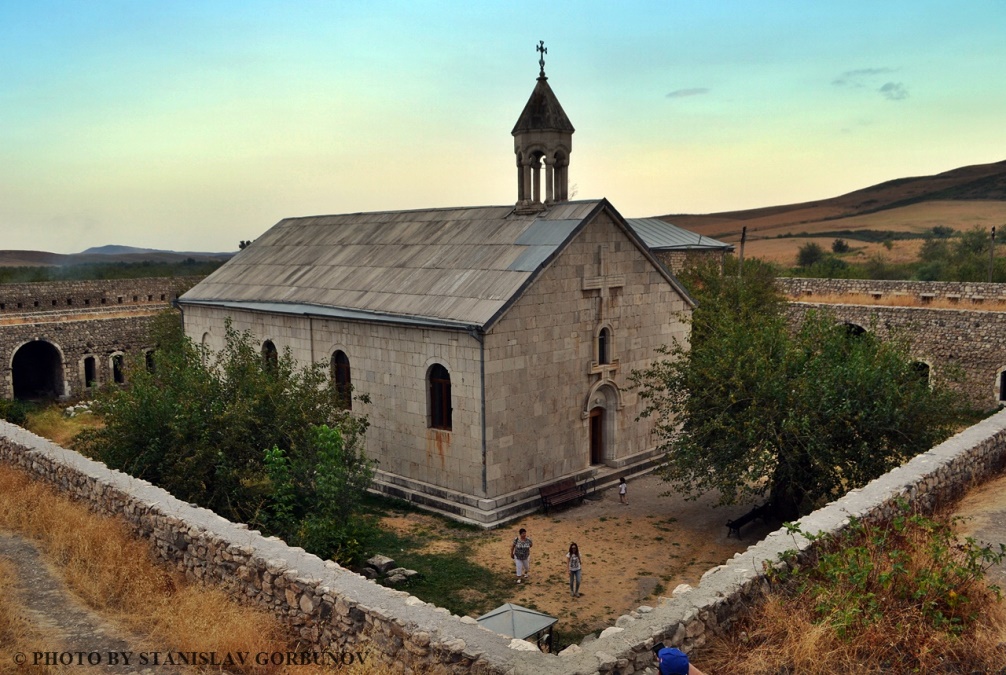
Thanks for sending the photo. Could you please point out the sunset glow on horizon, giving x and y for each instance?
(193, 125)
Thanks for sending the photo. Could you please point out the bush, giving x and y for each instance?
(808, 254)
(315, 491)
(839, 246)
(906, 596)
(197, 426)
(14, 411)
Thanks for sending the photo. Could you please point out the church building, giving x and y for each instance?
(494, 343)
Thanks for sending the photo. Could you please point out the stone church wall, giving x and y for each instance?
(541, 362)
(334, 609)
(388, 363)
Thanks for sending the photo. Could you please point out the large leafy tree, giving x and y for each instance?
(756, 408)
(204, 426)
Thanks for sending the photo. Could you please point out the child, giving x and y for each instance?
(573, 566)
(623, 491)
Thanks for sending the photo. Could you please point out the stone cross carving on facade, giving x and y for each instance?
(603, 282)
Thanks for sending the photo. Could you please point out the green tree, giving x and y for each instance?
(755, 408)
(198, 424)
(839, 246)
(315, 490)
(808, 254)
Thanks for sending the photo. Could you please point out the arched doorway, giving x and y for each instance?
(37, 371)
(600, 414)
(597, 444)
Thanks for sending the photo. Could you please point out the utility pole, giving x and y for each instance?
(740, 256)
(992, 253)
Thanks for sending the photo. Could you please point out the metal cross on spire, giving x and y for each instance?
(541, 60)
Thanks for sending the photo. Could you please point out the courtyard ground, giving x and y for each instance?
(632, 554)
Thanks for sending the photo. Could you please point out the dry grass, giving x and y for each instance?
(51, 423)
(116, 576)
(895, 300)
(792, 633)
(17, 635)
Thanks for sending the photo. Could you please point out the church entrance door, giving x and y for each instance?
(597, 436)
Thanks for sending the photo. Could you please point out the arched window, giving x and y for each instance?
(342, 379)
(148, 360)
(90, 372)
(440, 397)
(853, 330)
(921, 369)
(118, 369)
(270, 357)
(604, 346)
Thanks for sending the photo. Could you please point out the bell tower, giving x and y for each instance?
(542, 135)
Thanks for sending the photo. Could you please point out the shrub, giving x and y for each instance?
(902, 597)
(198, 424)
(839, 246)
(808, 254)
(14, 411)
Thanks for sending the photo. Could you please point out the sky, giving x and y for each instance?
(193, 125)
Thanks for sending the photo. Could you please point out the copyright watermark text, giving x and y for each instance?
(179, 658)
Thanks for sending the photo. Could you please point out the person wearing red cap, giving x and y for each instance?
(673, 661)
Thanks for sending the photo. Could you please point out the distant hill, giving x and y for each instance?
(105, 254)
(961, 199)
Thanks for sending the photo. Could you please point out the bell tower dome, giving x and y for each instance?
(542, 135)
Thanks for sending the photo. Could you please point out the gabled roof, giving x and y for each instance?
(660, 235)
(542, 112)
(452, 268)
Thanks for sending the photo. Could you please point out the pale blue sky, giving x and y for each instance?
(193, 125)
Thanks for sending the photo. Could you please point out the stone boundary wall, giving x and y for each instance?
(965, 344)
(333, 608)
(48, 296)
(972, 292)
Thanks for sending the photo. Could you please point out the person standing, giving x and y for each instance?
(623, 491)
(520, 552)
(573, 566)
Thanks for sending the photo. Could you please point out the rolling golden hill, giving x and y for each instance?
(960, 199)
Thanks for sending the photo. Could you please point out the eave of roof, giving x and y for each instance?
(660, 235)
(339, 313)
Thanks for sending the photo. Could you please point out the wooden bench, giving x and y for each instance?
(559, 493)
(734, 526)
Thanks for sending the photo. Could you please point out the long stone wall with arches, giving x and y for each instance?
(967, 342)
(60, 339)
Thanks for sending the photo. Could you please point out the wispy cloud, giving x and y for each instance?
(682, 93)
(893, 91)
(856, 78)
(863, 78)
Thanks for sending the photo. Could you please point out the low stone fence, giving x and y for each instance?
(333, 608)
(970, 292)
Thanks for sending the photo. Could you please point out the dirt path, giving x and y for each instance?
(984, 509)
(632, 554)
(66, 627)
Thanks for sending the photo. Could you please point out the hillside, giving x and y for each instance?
(961, 199)
(103, 254)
